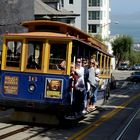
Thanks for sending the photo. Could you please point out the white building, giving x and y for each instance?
(94, 15)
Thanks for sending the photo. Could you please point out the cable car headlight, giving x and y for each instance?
(32, 88)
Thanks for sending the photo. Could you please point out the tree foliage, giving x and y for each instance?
(134, 58)
(121, 47)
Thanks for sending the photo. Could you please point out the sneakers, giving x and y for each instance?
(70, 117)
(73, 116)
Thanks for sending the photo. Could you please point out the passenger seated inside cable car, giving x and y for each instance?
(57, 56)
(34, 54)
(62, 65)
(32, 63)
(13, 53)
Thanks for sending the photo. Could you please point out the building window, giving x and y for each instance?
(95, 15)
(93, 28)
(70, 1)
(95, 3)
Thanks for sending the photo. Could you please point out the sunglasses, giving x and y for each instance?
(84, 63)
(78, 61)
(92, 63)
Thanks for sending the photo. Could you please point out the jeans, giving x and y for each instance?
(93, 94)
(94, 99)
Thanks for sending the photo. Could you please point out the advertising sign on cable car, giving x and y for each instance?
(11, 85)
(53, 88)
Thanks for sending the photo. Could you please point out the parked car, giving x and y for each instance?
(123, 66)
(135, 77)
(135, 67)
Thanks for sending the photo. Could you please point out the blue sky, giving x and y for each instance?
(127, 13)
(124, 6)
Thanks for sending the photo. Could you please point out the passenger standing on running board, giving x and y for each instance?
(92, 81)
(80, 86)
(86, 76)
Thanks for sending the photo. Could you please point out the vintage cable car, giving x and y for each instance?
(32, 80)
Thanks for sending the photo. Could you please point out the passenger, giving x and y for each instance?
(31, 63)
(86, 71)
(80, 87)
(9, 54)
(97, 73)
(86, 76)
(73, 81)
(97, 79)
(62, 65)
(92, 81)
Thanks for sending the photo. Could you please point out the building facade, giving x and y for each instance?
(94, 15)
(53, 10)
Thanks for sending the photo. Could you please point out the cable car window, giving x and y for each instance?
(34, 54)
(58, 56)
(13, 53)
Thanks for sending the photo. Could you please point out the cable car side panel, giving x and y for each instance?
(36, 91)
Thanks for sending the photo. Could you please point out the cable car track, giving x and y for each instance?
(6, 127)
(16, 133)
(128, 124)
(32, 136)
